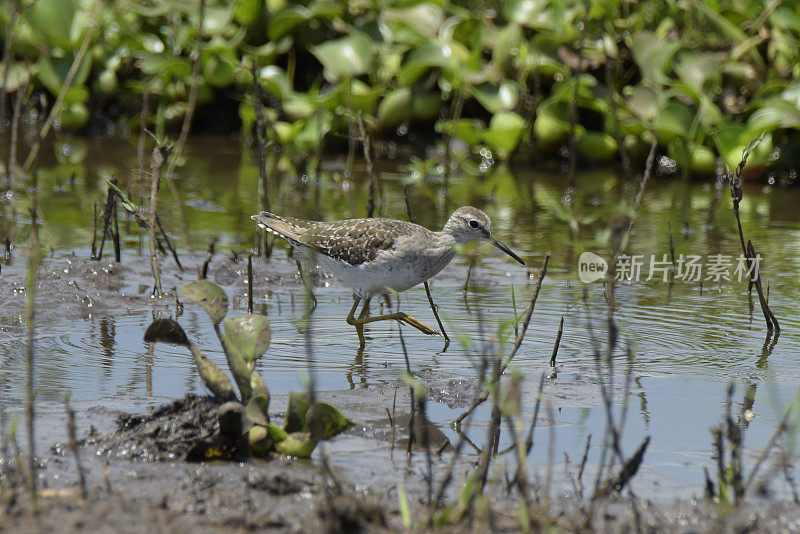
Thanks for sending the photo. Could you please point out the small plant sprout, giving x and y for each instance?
(244, 419)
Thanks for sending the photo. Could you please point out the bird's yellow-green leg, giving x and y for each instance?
(397, 316)
(351, 319)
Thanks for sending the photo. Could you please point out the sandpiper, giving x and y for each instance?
(373, 255)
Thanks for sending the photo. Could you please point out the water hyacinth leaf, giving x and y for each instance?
(324, 421)
(428, 56)
(275, 81)
(217, 19)
(674, 121)
(257, 385)
(347, 57)
(17, 77)
(250, 334)
(504, 133)
(239, 367)
(276, 433)
(296, 411)
(299, 444)
(394, 107)
(468, 130)
(701, 72)
(165, 331)
(598, 146)
(775, 113)
(53, 19)
(497, 98)
(529, 13)
(208, 295)
(259, 440)
(653, 56)
(256, 409)
(424, 18)
(287, 19)
(213, 377)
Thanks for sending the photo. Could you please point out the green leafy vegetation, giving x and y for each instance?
(245, 339)
(703, 79)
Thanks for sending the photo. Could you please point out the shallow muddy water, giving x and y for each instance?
(689, 340)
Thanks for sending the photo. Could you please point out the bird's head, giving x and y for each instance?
(468, 224)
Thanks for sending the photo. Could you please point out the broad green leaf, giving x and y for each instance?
(240, 369)
(208, 295)
(504, 133)
(347, 57)
(701, 72)
(250, 334)
(497, 98)
(212, 376)
(286, 20)
(53, 19)
(424, 18)
(674, 121)
(259, 440)
(395, 108)
(298, 444)
(324, 421)
(165, 331)
(217, 19)
(468, 130)
(275, 81)
(276, 433)
(256, 409)
(653, 56)
(428, 56)
(296, 412)
(18, 76)
(598, 146)
(257, 384)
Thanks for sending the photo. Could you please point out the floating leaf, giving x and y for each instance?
(256, 409)
(324, 421)
(250, 334)
(296, 411)
(347, 57)
(165, 331)
(298, 444)
(208, 295)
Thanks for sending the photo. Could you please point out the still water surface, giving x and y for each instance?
(689, 340)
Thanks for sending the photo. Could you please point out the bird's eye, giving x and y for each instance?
(473, 224)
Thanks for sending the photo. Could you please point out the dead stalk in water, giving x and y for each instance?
(74, 446)
(249, 283)
(517, 342)
(12, 159)
(34, 259)
(203, 273)
(748, 250)
(557, 343)
(160, 155)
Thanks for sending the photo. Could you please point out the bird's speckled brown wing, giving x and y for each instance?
(352, 241)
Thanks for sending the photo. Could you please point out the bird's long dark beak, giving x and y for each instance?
(507, 250)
